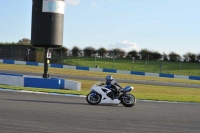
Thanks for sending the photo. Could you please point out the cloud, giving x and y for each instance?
(125, 45)
(73, 2)
(111, 0)
(94, 4)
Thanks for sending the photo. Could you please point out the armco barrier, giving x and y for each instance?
(42, 83)
(9, 61)
(56, 65)
(138, 73)
(167, 75)
(64, 83)
(110, 70)
(82, 68)
(106, 70)
(32, 63)
(20, 62)
(72, 85)
(194, 77)
(12, 80)
(38, 82)
(20, 75)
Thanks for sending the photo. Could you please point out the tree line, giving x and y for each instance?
(143, 54)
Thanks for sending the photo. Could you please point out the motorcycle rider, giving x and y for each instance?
(112, 84)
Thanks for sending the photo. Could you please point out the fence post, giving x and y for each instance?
(113, 62)
(133, 63)
(160, 66)
(77, 61)
(60, 57)
(146, 65)
(180, 67)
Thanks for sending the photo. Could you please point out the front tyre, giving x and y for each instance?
(93, 98)
(128, 100)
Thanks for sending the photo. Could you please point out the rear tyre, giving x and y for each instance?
(93, 98)
(128, 100)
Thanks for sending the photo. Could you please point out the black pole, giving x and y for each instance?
(160, 66)
(45, 75)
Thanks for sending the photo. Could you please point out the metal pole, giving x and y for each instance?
(113, 63)
(45, 75)
(160, 66)
(28, 54)
(132, 65)
(146, 66)
(180, 67)
(77, 61)
(12, 53)
(60, 57)
(95, 60)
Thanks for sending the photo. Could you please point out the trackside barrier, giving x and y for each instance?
(102, 70)
(20, 75)
(167, 75)
(9, 61)
(32, 63)
(56, 65)
(12, 80)
(110, 70)
(38, 82)
(194, 77)
(41, 83)
(138, 73)
(72, 85)
(64, 83)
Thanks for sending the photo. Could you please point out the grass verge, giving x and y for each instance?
(39, 69)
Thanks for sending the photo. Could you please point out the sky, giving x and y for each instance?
(158, 25)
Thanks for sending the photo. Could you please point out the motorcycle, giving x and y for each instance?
(99, 94)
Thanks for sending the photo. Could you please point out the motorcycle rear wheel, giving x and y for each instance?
(93, 98)
(128, 100)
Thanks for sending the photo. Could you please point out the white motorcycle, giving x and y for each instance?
(99, 94)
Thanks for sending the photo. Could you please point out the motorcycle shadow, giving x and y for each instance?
(110, 105)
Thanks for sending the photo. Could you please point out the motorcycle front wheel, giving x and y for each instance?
(128, 100)
(93, 98)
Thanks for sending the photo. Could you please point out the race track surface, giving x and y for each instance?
(40, 113)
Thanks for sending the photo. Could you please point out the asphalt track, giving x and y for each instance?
(40, 113)
(103, 79)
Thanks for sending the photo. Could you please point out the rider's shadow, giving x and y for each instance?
(41, 101)
(58, 102)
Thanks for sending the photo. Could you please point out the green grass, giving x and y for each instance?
(167, 67)
(39, 69)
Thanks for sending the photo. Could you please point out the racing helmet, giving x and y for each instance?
(109, 78)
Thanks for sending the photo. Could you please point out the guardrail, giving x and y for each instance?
(103, 70)
(38, 82)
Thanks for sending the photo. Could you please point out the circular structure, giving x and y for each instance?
(47, 23)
